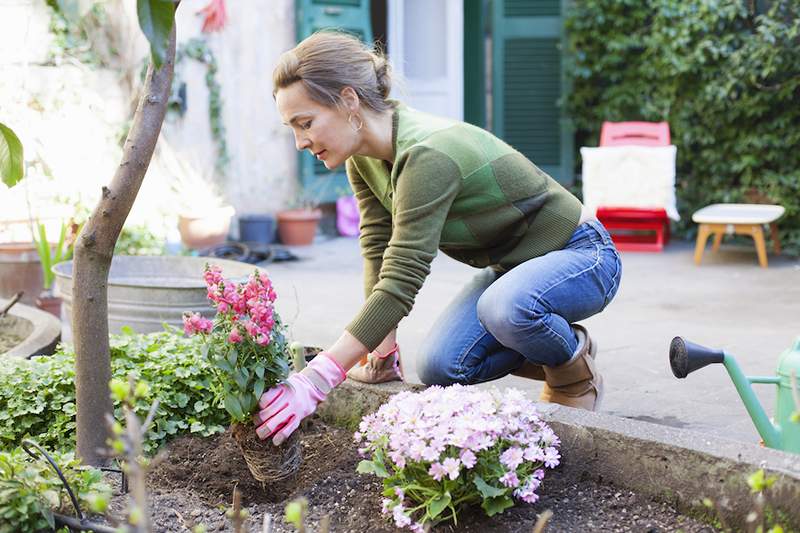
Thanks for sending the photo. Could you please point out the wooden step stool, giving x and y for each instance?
(742, 219)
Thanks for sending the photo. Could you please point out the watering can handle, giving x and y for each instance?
(685, 357)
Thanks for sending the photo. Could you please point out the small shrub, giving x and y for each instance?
(444, 449)
(30, 491)
(37, 396)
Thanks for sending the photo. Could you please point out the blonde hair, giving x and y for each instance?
(328, 61)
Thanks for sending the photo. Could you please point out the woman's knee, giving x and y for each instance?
(503, 315)
(433, 369)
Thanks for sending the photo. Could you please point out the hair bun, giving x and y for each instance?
(383, 76)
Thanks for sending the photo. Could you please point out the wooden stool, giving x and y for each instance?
(742, 219)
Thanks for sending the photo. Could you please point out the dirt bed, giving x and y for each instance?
(193, 483)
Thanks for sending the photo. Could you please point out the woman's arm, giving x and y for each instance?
(375, 227)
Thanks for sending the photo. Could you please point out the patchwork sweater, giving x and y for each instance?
(452, 187)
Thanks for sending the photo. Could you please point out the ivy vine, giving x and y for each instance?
(198, 50)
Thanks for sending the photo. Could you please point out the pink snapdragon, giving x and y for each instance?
(250, 304)
(427, 437)
(195, 323)
(235, 337)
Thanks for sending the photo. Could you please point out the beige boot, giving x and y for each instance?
(529, 370)
(378, 368)
(576, 383)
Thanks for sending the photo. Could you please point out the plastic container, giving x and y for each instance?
(257, 228)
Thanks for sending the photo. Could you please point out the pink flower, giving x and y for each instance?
(512, 458)
(551, 457)
(468, 458)
(401, 519)
(437, 471)
(194, 323)
(452, 466)
(235, 337)
(509, 479)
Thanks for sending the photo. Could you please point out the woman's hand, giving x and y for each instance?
(283, 407)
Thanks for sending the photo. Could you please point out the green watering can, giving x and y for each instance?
(784, 434)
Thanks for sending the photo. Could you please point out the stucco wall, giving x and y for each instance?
(71, 114)
(262, 172)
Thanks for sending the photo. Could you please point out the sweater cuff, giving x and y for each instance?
(380, 314)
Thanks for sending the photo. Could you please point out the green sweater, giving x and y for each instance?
(456, 188)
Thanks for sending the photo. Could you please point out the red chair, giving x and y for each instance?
(635, 229)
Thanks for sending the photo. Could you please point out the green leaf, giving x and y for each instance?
(233, 406)
(11, 156)
(370, 467)
(233, 355)
(259, 389)
(438, 504)
(156, 18)
(493, 506)
(486, 490)
(294, 512)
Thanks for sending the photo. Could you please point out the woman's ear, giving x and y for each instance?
(350, 99)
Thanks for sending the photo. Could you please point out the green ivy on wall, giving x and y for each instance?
(725, 77)
(198, 50)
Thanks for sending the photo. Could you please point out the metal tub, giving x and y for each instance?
(144, 292)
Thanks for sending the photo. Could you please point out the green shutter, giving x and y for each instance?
(352, 16)
(528, 83)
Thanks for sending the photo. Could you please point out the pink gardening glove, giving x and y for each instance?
(285, 405)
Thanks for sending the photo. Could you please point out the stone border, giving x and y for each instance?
(678, 466)
(45, 335)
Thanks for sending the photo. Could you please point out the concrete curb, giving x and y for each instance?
(45, 334)
(676, 466)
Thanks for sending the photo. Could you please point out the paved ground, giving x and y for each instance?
(728, 302)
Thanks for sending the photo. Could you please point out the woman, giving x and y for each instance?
(424, 184)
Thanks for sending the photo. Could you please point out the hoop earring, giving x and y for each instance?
(360, 122)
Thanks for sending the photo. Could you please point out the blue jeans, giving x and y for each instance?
(497, 321)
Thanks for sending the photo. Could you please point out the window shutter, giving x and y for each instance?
(529, 82)
(352, 16)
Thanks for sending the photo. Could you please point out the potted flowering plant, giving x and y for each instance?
(246, 345)
(443, 449)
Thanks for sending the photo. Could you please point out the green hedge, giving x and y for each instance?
(37, 396)
(726, 78)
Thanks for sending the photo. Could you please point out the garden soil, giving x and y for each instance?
(192, 482)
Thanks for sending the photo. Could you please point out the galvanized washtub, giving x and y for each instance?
(144, 292)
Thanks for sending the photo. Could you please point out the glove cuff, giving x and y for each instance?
(324, 372)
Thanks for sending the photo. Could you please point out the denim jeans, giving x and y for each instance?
(497, 321)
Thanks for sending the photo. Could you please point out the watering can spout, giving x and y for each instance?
(685, 357)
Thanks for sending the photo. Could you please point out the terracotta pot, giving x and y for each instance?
(20, 270)
(205, 229)
(47, 301)
(297, 227)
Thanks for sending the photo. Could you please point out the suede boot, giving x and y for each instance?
(378, 368)
(576, 383)
(529, 370)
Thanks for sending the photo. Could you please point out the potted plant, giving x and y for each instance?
(50, 256)
(298, 226)
(246, 344)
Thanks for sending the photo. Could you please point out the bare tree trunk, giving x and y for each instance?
(93, 253)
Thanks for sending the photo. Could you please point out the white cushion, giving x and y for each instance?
(630, 176)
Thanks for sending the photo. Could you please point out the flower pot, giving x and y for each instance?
(268, 463)
(205, 229)
(20, 270)
(47, 301)
(258, 229)
(297, 227)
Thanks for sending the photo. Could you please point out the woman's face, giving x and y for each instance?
(323, 131)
